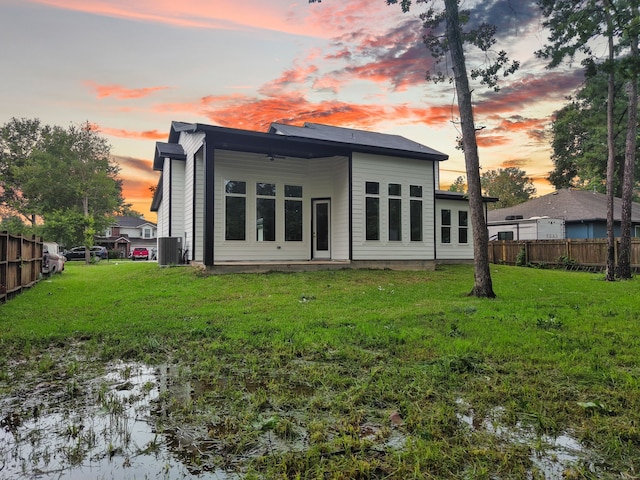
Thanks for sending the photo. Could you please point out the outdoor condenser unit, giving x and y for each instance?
(169, 250)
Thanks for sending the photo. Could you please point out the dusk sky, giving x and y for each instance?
(133, 67)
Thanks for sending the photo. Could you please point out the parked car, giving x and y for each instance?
(101, 252)
(52, 261)
(78, 253)
(140, 253)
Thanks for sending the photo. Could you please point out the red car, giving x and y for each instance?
(140, 253)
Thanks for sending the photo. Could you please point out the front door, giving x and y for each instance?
(321, 229)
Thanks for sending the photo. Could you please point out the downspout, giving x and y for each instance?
(435, 223)
(170, 206)
(350, 161)
(209, 198)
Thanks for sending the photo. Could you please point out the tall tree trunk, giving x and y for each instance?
(483, 286)
(624, 255)
(611, 248)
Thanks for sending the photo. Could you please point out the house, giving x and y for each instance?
(299, 197)
(584, 213)
(127, 232)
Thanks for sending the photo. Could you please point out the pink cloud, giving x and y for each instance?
(118, 91)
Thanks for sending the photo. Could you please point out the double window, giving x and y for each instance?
(268, 201)
(446, 226)
(395, 211)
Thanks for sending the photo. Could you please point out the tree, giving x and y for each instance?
(445, 39)
(64, 176)
(18, 139)
(459, 185)
(510, 185)
(580, 136)
(573, 26)
(70, 176)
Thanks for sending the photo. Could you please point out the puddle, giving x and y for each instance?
(96, 428)
(552, 456)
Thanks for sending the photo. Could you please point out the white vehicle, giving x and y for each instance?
(534, 228)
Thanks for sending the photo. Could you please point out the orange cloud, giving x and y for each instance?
(253, 113)
(488, 141)
(144, 135)
(118, 91)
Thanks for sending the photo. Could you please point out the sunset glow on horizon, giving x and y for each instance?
(133, 68)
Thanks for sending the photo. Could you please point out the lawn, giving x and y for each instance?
(358, 374)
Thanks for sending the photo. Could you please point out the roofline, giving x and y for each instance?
(235, 139)
(447, 195)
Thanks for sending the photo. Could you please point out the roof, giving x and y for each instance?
(310, 141)
(571, 205)
(129, 221)
(355, 138)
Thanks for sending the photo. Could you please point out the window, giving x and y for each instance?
(395, 212)
(445, 229)
(265, 212)
(292, 213)
(235, 210)
(415, 213)
(372, 211)
(146, 232)
(463, 223)
(505, 235)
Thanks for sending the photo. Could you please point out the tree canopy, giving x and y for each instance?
(579, 137)
(510, 185)
(65, 176)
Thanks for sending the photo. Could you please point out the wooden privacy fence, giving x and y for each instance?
(20, 263)
(588, 254)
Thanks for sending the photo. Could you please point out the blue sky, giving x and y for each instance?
(133, 67)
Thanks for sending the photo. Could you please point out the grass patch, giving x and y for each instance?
(362, 374)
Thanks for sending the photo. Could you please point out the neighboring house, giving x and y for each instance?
(127, 232)
(584, 213)
(299, 196)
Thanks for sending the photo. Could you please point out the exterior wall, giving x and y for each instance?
(386, 170)
(318, 179)
(191, 143)
(177, 199)
(455, 250)
(331, 180)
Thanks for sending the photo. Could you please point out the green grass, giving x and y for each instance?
(324, 359)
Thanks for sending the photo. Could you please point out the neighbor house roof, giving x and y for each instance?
(129, 221)
(310, 141)
(571, 205)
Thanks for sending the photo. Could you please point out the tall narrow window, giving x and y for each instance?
(235, 210)
(445, 228)
(372, 210)
(463, 224)
(415, 214)
(395, 212)
(265, 212)
(292, 213)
